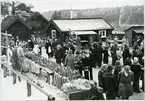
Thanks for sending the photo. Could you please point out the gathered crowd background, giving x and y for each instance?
(117, 79)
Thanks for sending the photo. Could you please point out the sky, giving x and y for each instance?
(46, 5)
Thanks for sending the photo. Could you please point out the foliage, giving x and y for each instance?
(4, 8)
(56, 15)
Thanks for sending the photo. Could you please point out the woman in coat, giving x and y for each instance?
(136, 69)
(125, 78)
(101, 72)
(69, 60)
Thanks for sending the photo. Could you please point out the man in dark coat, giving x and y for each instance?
(126, 53)
(106, 55)
(99, 52)
(136, 69)
(110, 84)
(64, 48)
(113, 54)
(58, 54)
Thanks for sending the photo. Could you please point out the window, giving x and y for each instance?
(53, 33)
(102, 33)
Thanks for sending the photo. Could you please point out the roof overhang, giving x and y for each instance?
(84, 32)
(139, 31)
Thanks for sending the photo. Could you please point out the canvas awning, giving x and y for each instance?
(84, 32)
(139, 31)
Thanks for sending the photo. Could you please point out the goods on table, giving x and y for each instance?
(64, 71)
(78, 85)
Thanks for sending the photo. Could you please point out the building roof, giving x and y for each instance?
(9, 20)
(139, 30)
(135, 27)
(82, 24)
(84, 32)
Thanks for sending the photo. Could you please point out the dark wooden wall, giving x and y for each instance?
(20, 30)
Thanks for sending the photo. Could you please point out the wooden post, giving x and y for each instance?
(5, 71)
(48, 78)
(14, 78)
(28, 89)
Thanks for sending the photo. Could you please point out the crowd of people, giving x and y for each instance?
(116, 79)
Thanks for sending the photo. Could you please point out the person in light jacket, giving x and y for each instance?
(125, 78)
(69, 60)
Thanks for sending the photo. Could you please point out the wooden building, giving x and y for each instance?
(23, 26)
(134, 32)
(16, 26)
(84, 27)
(38, 23)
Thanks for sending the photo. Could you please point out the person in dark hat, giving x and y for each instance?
(106, 55)
(110, 85)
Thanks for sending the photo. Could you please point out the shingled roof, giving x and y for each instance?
(82, 24)
(9, 20)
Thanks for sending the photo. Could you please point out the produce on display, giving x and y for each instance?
(42, 61)
(78, 85)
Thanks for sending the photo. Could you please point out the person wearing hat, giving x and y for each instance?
(136, 69)
(110, 84)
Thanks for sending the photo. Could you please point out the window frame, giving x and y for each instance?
(52, 34)
(102, 33)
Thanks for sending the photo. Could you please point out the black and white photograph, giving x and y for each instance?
(72, 50)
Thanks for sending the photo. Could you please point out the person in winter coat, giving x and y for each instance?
(93, 56)
(110, 85)
(128, 60)
(58, 54)
(136, 69)
(125, 78)
(106, 55)
(125, 53)
(69, 60)
(117, 69)
(101, 72)
(99, 52)
(78, 62)
(64, 50)
(113, 54)
(48, 48)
